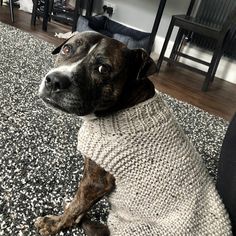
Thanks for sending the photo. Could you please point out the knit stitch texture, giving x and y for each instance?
(162, 185)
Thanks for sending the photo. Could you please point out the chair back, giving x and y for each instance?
(215, 12)
(230, 21)
(219, 14)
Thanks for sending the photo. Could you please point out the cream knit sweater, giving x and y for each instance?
(162, 186)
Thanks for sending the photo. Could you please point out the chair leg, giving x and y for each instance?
(34, 12)
(213, 67)
(1, 2)
(216, 66)
(50, 9)
(177, 43)
(162, 54)
(11, 10)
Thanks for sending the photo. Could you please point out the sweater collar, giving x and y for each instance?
(140, 117)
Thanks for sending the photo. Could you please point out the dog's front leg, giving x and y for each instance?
(96, 183)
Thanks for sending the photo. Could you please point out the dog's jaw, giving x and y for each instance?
(51, 104)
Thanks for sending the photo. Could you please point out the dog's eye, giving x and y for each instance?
(66, 49)
(104, 69)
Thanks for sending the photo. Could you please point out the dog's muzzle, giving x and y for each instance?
(52, 85)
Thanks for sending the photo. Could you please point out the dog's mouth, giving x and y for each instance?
(52, 104)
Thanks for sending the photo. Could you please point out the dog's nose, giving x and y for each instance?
(57, 82)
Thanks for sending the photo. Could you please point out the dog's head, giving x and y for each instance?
(91, 74)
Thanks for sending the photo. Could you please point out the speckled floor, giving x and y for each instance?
(39, 166)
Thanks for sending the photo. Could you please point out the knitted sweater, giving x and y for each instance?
(162, 186)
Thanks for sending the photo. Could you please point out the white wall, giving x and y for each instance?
(140, 14)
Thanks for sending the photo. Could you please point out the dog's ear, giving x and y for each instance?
(58, 49)
(146, 64)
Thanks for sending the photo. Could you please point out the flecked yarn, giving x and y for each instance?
(162, 185)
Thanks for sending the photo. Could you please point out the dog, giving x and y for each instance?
(134, 151)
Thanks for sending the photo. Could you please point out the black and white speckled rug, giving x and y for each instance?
(39, 166)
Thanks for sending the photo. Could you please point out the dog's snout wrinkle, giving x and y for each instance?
(57, 82)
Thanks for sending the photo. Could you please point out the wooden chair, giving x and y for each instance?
(188, 25)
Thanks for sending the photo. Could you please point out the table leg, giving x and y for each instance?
(45, 15)
(11, 10)
(76, 15)
(156, 24)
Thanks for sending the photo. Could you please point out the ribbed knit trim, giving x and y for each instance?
(131, 120)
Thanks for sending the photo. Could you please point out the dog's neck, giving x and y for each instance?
(133, 94)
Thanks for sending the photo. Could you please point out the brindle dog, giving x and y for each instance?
(93, 76)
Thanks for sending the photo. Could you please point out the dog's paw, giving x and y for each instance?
(48, 225)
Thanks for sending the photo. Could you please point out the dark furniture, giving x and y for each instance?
(47, 12)
(188, 25)
(156, 24)
(46, 9)
(41, 11)
(11, 2)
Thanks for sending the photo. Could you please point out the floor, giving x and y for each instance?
(184, 85)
